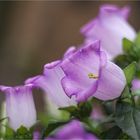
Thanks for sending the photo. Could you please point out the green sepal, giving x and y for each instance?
(23, 133)
(81, 111)
(130, 72)
(127, 45)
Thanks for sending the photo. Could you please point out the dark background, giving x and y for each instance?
(35, 33)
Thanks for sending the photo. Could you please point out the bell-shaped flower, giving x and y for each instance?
(50, 82)
(110, 27)
(20, 106)
(72, 131)
(88, 73)
(136, 84)
(98, 112)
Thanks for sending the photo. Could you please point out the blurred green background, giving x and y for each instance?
(35, 33)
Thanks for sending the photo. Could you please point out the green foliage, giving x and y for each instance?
(127, 45)
(129, 72)
(112, 133)
(3, 119)
(128, 119)
(83, 110)
(137, 40)
(126, 93)
(131, 53)
(21, 133)
(10, 133)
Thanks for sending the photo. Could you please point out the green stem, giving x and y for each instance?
(92, 126)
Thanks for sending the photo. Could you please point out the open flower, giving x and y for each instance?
(90, 74)
(50, 82)
(72, 131)
(110, 27)
(20, 106)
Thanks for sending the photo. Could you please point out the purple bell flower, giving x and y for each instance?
(88, 73)
(110, 27)
(20, 106)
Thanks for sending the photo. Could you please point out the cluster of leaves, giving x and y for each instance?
(131, 52)
(21, 133)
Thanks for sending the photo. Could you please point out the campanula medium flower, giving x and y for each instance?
(50, 82)
(98, 113)
(110, 27)
(72, 131)
(136, 84)
(88, 73)
(20, 106)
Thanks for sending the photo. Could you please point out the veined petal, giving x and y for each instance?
(20, 106)
(50, 82)
(111, 83)
(82, 71)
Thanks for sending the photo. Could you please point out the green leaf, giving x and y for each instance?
(127, 45)
(9, 134)
(128, 119)
(129, 72)
(23, 133)
(122, 60)
(22, 130)
(73, 110)
(126, 93)
(137, 40)
(82, 111)
(112, 133)
(51, 127)
(3, 119)
(85, 109)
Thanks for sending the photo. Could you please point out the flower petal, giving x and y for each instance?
(110, 27)
(78, 68)
(70, 51)
(20, 106)
(50, 82)
(111, 83)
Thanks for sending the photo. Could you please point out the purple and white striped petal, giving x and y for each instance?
(20, 106)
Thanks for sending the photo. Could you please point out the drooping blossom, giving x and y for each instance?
(88, 74)
(110, 26)
(50, 82)
(136, 84)
(20, 106)
(72, 131)
(97, 113)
